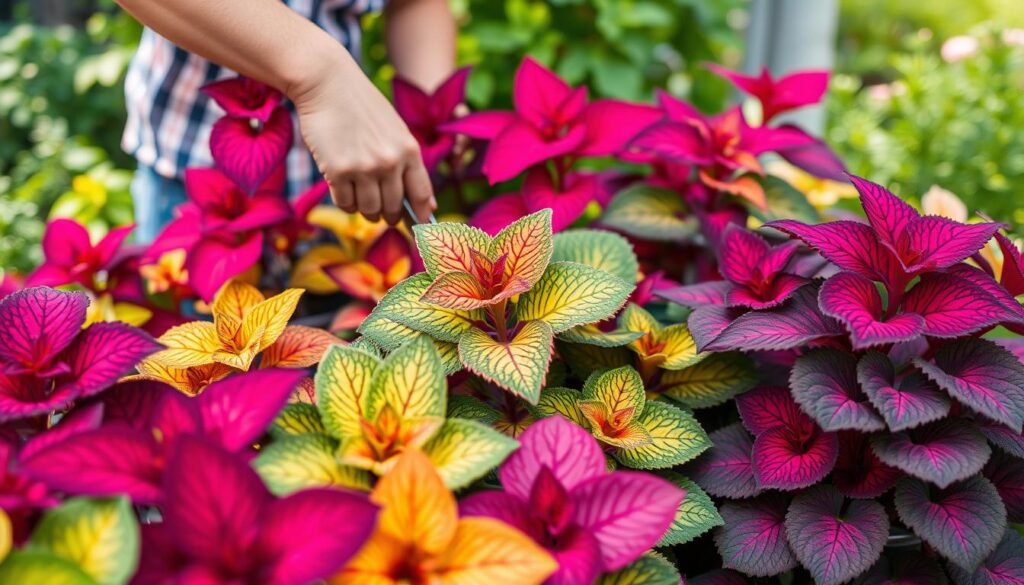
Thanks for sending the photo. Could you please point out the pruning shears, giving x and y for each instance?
(411, 215)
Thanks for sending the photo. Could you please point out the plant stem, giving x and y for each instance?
(498, 316)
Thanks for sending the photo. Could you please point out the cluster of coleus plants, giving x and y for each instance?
(522, 398)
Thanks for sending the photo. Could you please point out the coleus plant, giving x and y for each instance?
(368, 412)
(48, 361)
(245, 326)
(558, 491)
(495, 304)
(879, 382)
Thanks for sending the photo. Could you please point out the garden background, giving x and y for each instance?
(897, 111)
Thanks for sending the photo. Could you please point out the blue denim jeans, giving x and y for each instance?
(154, 197)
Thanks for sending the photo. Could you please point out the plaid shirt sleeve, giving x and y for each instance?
(169, 119)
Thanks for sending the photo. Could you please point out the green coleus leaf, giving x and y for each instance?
(303, 461)
(599, 249)
(370, 346)
(650, 213)
(696, 514)
(464, 450)
(676, 437)
(411, 380)
(711, 381)
(571, 294)
(649, 569)
(99, 536)
(402, 305)
(518, 365)
(297, 419)
(467, 407)
(342, 385)
(562, 402)
(41, 567)
(591, 335)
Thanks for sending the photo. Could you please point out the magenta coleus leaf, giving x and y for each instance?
(717, 577)
(793, 324)
(953, 306)
(963, 521)
(724, 470)
(824, 383)
(849, 245)
(858, 472)
(854, 300)
(1007, 475)
(248, 153)
(767, 407)
(237, 410)
(1005, 566)
(905, 567)
(102, 354)
(697, 295)
(793, 457)
(934, 242)
(753, 539)
(216, 260)
(910, 402)
(36, 324)
(941, 452)
(1005, 438)
(832, 541)
(707, 322)
(983, 375)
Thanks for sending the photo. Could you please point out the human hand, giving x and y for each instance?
(365, 151)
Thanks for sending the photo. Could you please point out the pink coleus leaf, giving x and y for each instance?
(1003, 437)
(817, 159)
(213, 502)
(130, 404)
(696, 295)
(982, 375)
(801, 88)
(678, 142)
(768, 407)
(570, 452)
(977, 277)
(498, 212)
(942, 452)
(833, 540)
(905, 401)
(824, 383)
(858, 472)
(628, 512)
(176, 415)
(1012, 276)
(889, 215)
(103, 353)
(79, 420)
(25, 395)
(854, 300)
(611, 124)
(753, 539)
(216, 260)
(538, 93)
(244, 98)
(311, 534)
(567, 205)
(742, 254)
(521, 145)
(36, 324)
(793, 457)
(239, 408)
(791, 325)
(249, 153)
(1007, 474)
(964, 521)
(103, 462)
(953, 306)
(709, 321)
(724, 470)
(483, 125)
(65, 243)
(1005, 566)
(933, 242)
(905, 568)
(849, 245)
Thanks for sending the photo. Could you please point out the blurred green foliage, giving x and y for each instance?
(61, 114)
(619, 48)
(957, 125)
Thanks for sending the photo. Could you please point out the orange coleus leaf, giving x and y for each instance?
(309, 272)
(191, 380)
(745, 187)
(527, 246)
(298, 347)
(361, 280)
(420, 536)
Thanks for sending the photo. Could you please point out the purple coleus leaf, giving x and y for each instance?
(854, 300)
(717, 577)
(36, 324)
(983, 375)
(824, 384)
(858, 472)
(941, 452)
(767, 407)
(953, 306)
(793, 457)
(221, 522)
(907, 567)
(796, 322)
(559, 492)
(753, 539)
(755, 269)
(1005, 438)
(835, 542)
(851, 246)
(724, 470)
(697, 295)
(1007, 474)
(1005, 566)
(906, 401)
(964, 521)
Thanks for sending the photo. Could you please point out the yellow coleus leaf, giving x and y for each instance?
(103, 308)
(571, 294)
(526, 245)
(298, 347)
(342, 386)
(266, 321)
(6, 535)
(419, 533)
(189, 344)
(234, 300)
(519, 365)
(670, 348)
(617, 389)
(412, 381)
(309, 273)
(191, 380)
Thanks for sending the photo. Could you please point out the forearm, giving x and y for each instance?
(421, 40)
(262, 39)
